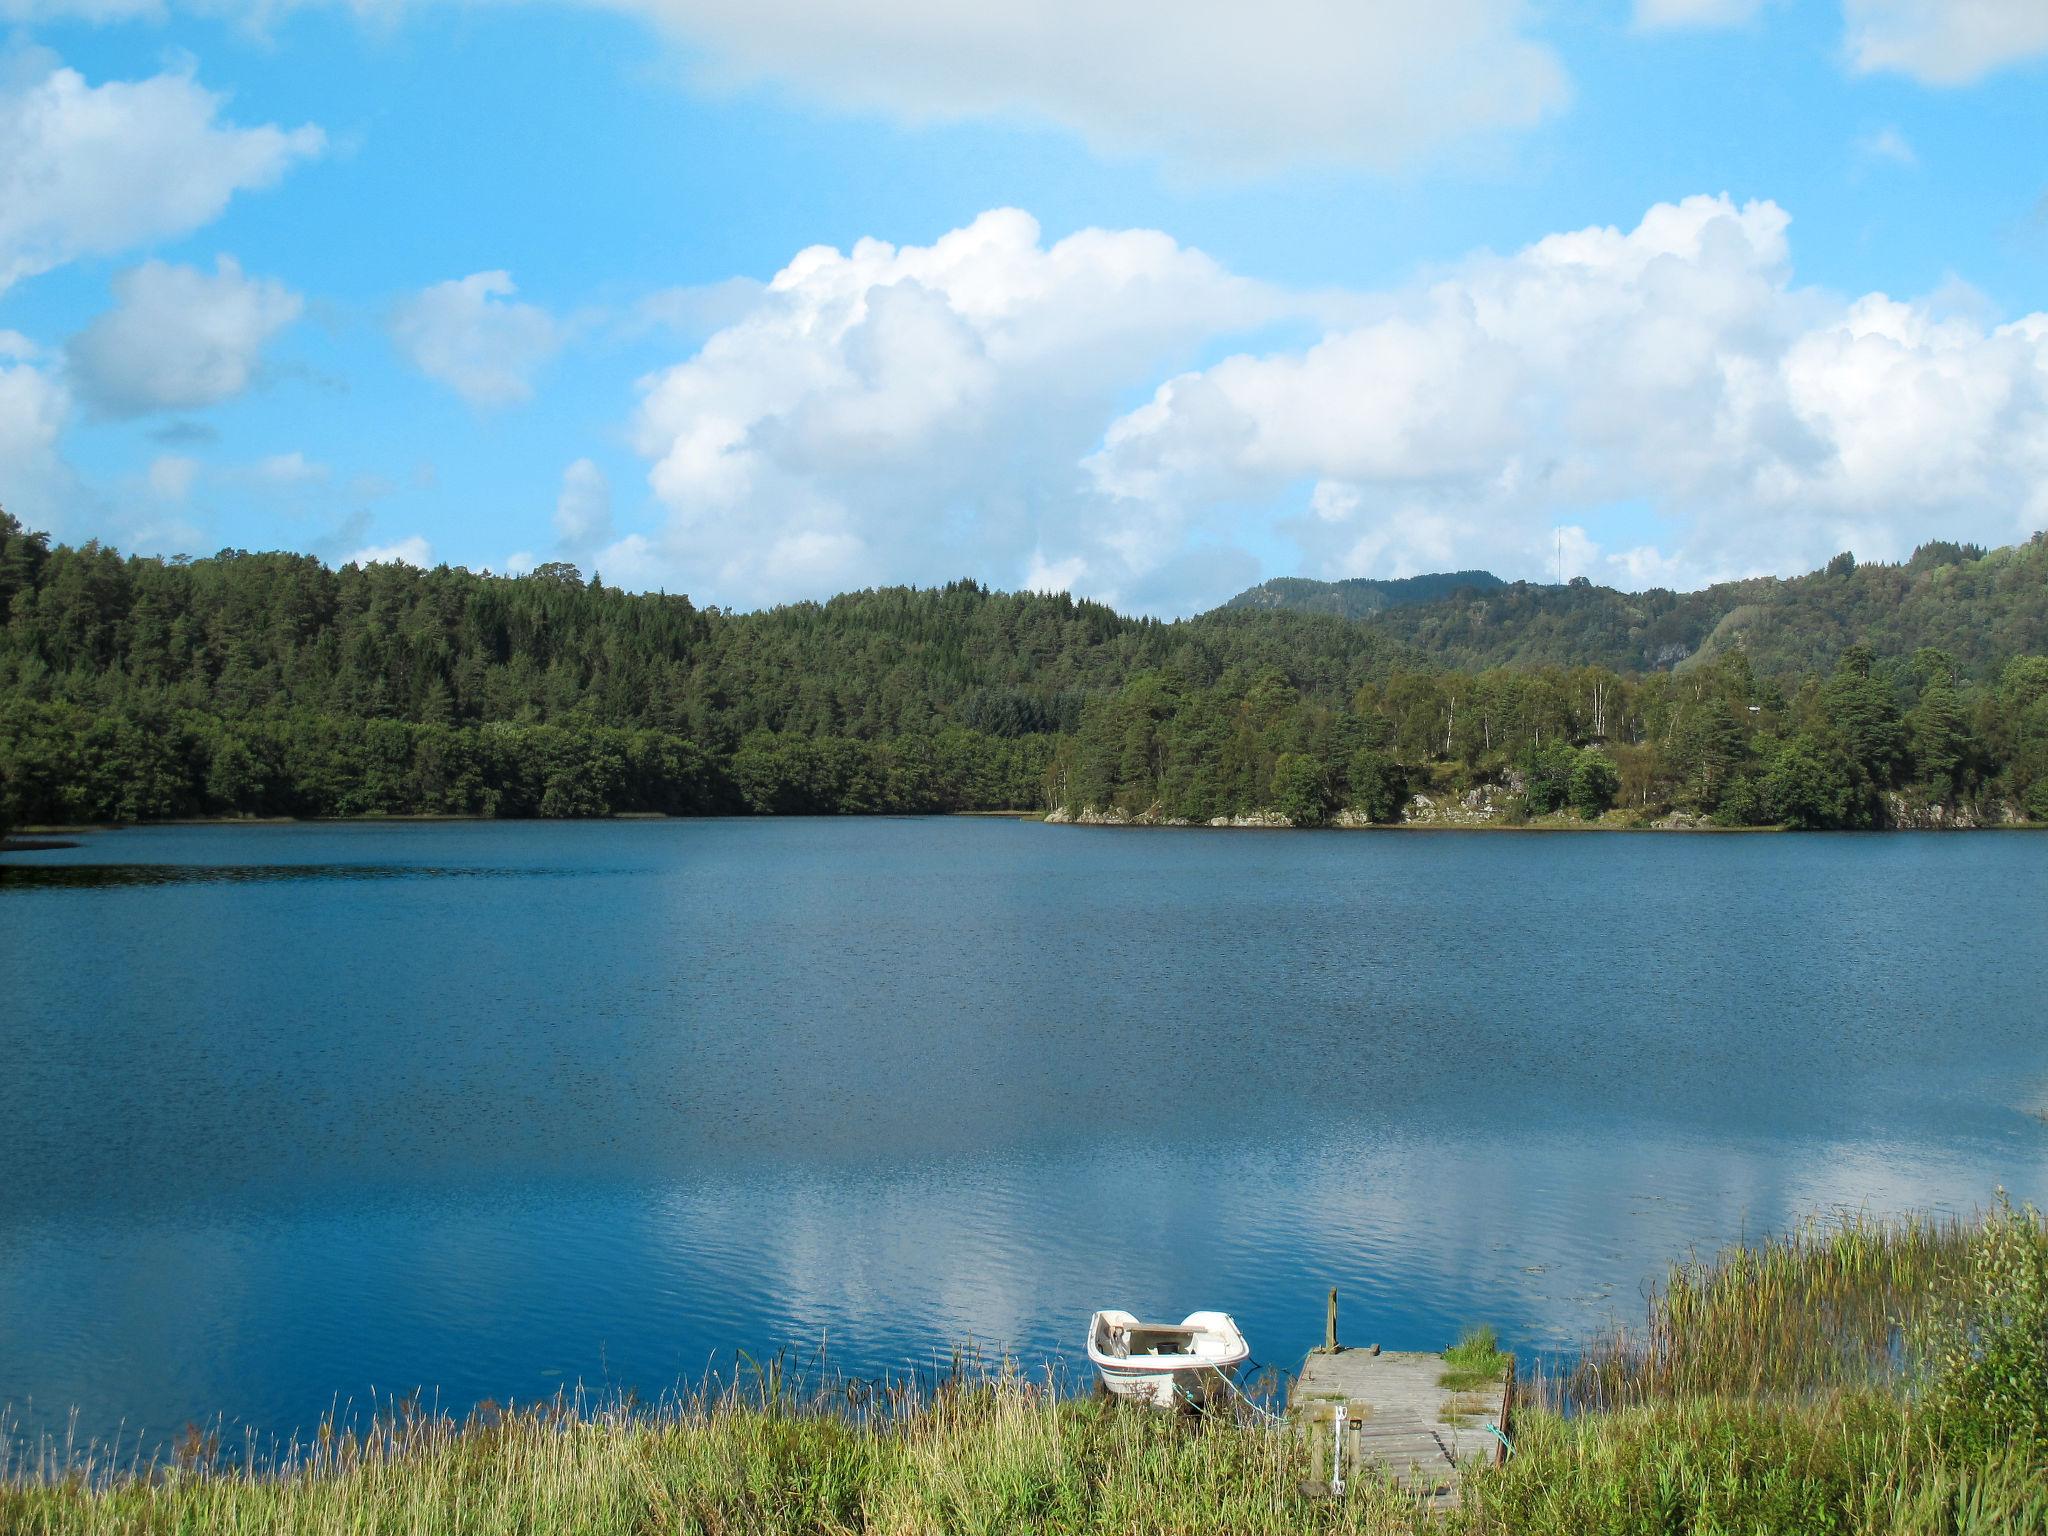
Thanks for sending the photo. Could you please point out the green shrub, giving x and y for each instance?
(1987, 1357)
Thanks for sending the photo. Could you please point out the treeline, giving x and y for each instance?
(1854, 748)
(267, 684)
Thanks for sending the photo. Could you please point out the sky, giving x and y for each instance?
(762, 300)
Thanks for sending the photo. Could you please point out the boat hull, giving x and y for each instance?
(1129, 1358)
(1163, 1389)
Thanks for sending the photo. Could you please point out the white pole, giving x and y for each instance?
(1337, 1454)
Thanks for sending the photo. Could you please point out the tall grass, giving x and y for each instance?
(1830, 1304)
(1859, 1377)
(771, 1455)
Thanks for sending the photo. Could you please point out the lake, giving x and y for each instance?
(289, 1114)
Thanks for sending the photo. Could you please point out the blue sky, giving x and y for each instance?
(1713, 286)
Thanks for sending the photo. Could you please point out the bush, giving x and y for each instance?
(1547, 777)
(1594, 783)
(1988, 1359)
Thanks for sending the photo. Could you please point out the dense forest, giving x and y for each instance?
(1981, 608)
(1362, 597)
(267, 684)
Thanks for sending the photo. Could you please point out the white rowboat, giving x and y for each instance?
(1165, 1363)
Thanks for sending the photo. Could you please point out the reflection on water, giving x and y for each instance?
(891, 1085)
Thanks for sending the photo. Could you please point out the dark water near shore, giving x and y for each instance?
(292, 1113)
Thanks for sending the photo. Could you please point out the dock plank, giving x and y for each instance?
(1401, 1423)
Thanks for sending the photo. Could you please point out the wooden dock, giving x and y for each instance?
(1398, 1421)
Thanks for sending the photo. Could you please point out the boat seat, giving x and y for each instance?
(1159, 1339)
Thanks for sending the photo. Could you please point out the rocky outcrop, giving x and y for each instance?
(1479, 807)
(1088, 816)
(1682, 821)
(1907, 814)
(1488, 804)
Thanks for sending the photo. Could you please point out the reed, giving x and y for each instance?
(1843, 1303)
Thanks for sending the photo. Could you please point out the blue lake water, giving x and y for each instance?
(289, 1114)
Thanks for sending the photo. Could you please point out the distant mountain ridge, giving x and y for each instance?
(1981, 606)
(1360, 597)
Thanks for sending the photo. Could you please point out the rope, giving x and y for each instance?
(1196, 1402)
(1494, 1430)
(1262, 1412)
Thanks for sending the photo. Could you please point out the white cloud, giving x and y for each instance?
(179, 338)
(892, 414)
(93, 170)
(35, 482)
(473, 336)
(583, 509)
(1644, 567)
(695, 310)
(414, 551)
(171, 476)
(1673, 364)
(1205, 83)
(285, 471)
(1944, 42)
(910, 413)
(1652, 15)
(1890, 145)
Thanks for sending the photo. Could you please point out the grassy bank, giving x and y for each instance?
(1857, 1378)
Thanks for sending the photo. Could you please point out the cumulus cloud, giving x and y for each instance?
(94, 170)
(894, 413)
(178, 337)
(583, 509)
(1944, 42)
(1674, 363)
(891, 414)
(473, 336)
(414, 551)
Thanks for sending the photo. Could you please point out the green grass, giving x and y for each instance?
(1858, 1379)
(1477, 1360)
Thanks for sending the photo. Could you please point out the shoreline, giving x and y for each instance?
(43, 836)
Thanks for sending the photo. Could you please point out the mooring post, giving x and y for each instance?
(1330, 1345)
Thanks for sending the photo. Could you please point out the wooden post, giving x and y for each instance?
(1330, 1344)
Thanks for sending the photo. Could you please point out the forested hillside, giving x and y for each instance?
(268, 684)
(1360, 597)
(1980, 608)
